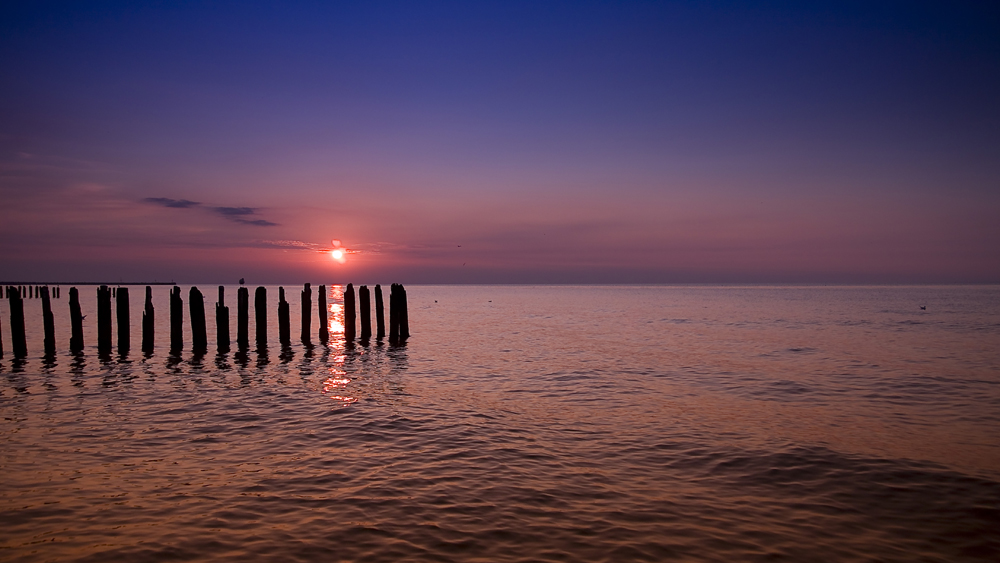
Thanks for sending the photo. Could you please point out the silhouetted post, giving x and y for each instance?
(18, 342)
(404, 314)
(379, 314)
(284, 330)
(222, 321)
(2, 292)
(366, 312)
(113, 292)
(324, 331)
(103, 319)
(260, 315)
(243, 318)
(393, 313)
(75, 322)
(350, 315)
(49, 321)
(124, 326)
(147, 322)
(307, 305)
(176, 321)
(199, 334)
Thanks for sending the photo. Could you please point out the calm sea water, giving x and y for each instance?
(523, 424)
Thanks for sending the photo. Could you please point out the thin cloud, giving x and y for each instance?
(257, 222)
(174, 203)
(234, 211)
(239, 214)
(289, 244)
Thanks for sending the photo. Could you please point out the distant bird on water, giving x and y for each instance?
(241, 281)
(923, 307)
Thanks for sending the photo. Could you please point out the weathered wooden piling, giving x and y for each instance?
(48, 320)
(199, 333)
(393, 313)
(222, 321)
(404, 314)
(324, 331)
(379, 314)
(260, 316)
(147, 322)
(284, 330)
(243, 318)
(18, 342)
(350, 316)
(103, 319)
(114, 292)
(75, 322)
(124, 325)
(307, 304)
(176, 321)
(364, 296)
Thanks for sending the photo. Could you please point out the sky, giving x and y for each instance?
(500, 142)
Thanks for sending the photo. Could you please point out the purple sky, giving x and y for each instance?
(536, 142)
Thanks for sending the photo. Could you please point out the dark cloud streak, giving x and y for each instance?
(235, 214)
(257, 222)
(234, 211)
(174, 203)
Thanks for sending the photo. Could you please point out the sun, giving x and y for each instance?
(337, 254)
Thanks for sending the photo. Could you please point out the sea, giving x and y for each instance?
(519, 423)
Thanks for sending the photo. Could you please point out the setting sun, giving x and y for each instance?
(337, 254)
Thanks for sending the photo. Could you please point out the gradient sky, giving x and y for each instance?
(500, 142)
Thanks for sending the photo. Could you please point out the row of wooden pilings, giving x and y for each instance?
(31, 291)
(399, 326)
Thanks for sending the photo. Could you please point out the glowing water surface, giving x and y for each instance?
(522, 423)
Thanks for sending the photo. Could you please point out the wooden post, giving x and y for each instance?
(284, 330)
(49, 321)
(260, 316)
(324, 331)
(350, 316)
(103, 319)
(3, 291)
(366, 312)
(307, 305)
(222, 321)
(393, 313)
(18, 342)
(176, 321)
(75, 322)
(379, 314)
(404, 314)
(199, 334)
(243, 318)
(124, 325)
(147, 322)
